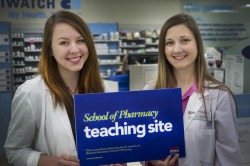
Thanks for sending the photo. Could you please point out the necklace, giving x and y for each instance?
(72, 92)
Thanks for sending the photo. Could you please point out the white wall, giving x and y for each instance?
(130, 12)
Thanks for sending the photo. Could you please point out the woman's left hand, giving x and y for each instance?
(123, 164)
(169, 161)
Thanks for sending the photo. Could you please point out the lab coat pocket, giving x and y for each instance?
(206, 145)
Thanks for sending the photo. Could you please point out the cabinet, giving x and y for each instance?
(140, 47)
(152, 40)
(145, 41)
(132, 45)
(5, 58)
(151, 44)
(107, 43)
(5, 82)
(26, 53)
(141, 74)
(18, 59)
(109, 54)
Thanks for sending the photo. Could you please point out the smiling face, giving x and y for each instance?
(180, 47)
(69, 48)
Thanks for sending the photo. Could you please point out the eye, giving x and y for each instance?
(80, 41)
(63, 43)
(185, 41)
(169, 43)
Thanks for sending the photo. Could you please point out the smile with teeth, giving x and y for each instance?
(74, 59)
(179, 57)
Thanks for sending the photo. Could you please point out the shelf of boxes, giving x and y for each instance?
(25, 56)
(140, 47)
(109, 53)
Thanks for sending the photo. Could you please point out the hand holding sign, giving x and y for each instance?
(113, 125)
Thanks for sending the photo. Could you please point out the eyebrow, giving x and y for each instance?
(64, 38)
(185, 36)
(180, 37)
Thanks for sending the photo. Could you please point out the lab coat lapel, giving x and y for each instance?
(64, 120)
(194, 104)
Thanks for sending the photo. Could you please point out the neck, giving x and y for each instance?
(185, 80)
(71, 80)
(72, 91)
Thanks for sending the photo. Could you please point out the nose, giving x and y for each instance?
(177, 48)
(74, 48)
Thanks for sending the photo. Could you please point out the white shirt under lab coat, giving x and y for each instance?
(215, 144)
(36, 126)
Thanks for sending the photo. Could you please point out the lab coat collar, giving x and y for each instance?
(60, 112)
(64, 119)
(194, 104)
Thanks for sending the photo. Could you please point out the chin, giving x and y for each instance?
(76, 69)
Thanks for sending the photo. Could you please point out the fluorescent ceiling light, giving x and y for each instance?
(246, 5)
(223, 11)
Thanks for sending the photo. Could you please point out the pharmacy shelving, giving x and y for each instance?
(26, 53)
(6, 88)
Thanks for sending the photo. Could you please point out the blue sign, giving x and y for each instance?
(71, 4)
(132, 126)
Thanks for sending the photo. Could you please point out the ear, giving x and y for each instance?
(246, 52)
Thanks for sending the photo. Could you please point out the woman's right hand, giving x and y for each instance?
(67, 160)
(63, 160)
(169, 161)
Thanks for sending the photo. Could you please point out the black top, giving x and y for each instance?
(73, 127)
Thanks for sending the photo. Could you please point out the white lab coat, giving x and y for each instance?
(36, 126)
(215, 144)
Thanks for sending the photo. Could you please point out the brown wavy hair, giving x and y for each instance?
(89, 80)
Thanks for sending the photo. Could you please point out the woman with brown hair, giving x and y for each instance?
(209, 110)
(42, 127)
